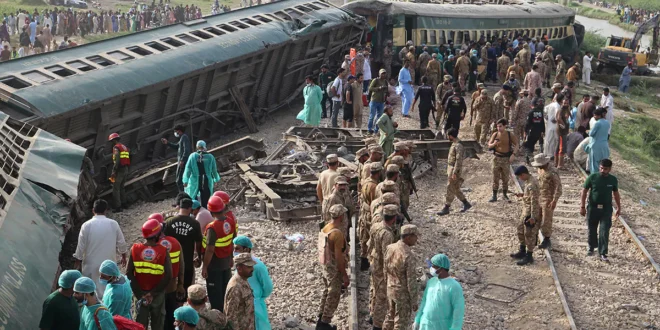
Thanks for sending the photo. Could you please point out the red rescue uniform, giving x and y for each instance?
(174, 249)
(225, 231)
(124, 155)
(149, 263)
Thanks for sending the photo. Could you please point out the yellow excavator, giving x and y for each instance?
(619, 51)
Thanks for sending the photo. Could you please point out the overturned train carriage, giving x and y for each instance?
(213, 75)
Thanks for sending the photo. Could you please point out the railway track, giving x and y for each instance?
(595, 294)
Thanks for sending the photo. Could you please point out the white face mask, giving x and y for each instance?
(433, 272)
(176, 134)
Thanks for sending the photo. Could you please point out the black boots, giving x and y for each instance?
(364, 264)
(466, 206)
(494, 198)
(528, 259)
(545, 244)
(520, 254)
(504, 195)
(444, 211)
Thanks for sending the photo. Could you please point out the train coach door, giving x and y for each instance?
(382, 32)
(410, 29)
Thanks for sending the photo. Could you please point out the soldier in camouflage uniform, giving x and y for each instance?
(519, 114)
(391, 177)
(410, 56)
(439, 94)
(542, 69)
(549, 62)
(503, 63)
(403, 181)
(381, 235)
(530, 217)
(423, 61)
(209, 319)
(485, 109)
(454, 173)
(377, 205)
(502, 101)
(367, 196)
(560, 77)
(433, 70)
(387, 58)
(361, 157)
(550, 187)
(334, 269)
(337, 197)
(404, 51)
(399, 150)
(402, 289)
(359, 63)
(475, 94)
(375, 156)
(525, 57)
(239, 300)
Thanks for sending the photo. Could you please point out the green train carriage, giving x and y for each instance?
(435, 24)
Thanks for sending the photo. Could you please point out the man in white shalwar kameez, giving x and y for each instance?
(100, 239)
(551, 142)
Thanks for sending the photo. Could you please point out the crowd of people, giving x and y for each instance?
(37, 31)
(633, 16)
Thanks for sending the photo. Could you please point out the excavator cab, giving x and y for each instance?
(619, 43)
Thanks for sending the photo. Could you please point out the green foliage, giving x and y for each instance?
(637, 139)
(592, 42)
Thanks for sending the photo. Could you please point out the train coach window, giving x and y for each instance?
(319, 3)
(201, 34)
(139, 50)
(262, 19)
(14, 82)
(81, 66)
(239, 24)
(119, 55)
(282, 16)
(102, 61)
(60, 70)
(433, 39)
(215, 31)
(561, 32)
(422, 37)
(250, 21)
(227, 27)
(313, 6)
(303, 9)
(37, 76)
(172, 42)
(187, 38)
(157, 46)
(565, 31)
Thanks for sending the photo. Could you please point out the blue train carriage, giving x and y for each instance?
(435, 24)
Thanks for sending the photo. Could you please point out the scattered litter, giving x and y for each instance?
(643, 202)
(641, 238)
(651, 189)
(297, 237)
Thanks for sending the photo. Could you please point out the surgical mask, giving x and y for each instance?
(176, 134)
(103, 282)
(236, 253)
(84, 302)
(433, 272)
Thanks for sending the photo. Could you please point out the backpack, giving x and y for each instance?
(121, 322)
(325, 254)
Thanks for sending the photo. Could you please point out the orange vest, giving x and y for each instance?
(174, 248)
(149, 263)
(124, 156)
(225, 231)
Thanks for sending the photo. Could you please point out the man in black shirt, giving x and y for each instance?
(325, 77)
(426, 95)
(186, 230)
(535, 127)
(455, 110)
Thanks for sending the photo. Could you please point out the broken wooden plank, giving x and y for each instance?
(240, 102)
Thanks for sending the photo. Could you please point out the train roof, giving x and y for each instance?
(65, 81)
(522, 10)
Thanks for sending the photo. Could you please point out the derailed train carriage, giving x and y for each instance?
(435, 24)
(214, 75)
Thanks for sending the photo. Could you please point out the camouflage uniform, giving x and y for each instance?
(404, 184)
(525, 58)
(462, 70)
(209, 319)
(485, 109)
(503, 64)
(413, 64)
(542, 71)
(422, 62)
(388, 186)
(402, 287)
(530, 207)
(501, 102)
(455, 167)
(550, 190)
(439, 93)
(381, 235)
(387, 60)
(377, 210)
(332, 279)
(561, 72)
(519, 115)
(359, 63)
(549, 62)
(239, 300)
(433, 70)
(368, 195)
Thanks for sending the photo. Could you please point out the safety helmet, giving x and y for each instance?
(151, 228)
(223, 195)
(215, 204)
(113, 136)
(157, 216)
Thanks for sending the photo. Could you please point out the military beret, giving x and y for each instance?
(409, 230)
(377, 166)
(388, 185)
(332, 158)
(397, 160)
(392, 168)
(376, 148)
(337, 210)
(390, 198)
(362, 152)
(390, 210)
(340, 179)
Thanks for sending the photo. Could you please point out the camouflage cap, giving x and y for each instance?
(332, 158)
(392, 168)
(409, 230)
(337, 210)
(376, 148)
(447, 77)
(401, 146)
(344, 171)
(340, 179)
(244, 259)
(370, 141)
(388, 185)
(197, 292)
(481, 85)
(361, 152)
(410, 144)
(390, 209)
(398, 160)
(484, 92)
(390, 198)
(557, 85)
(377, 166)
